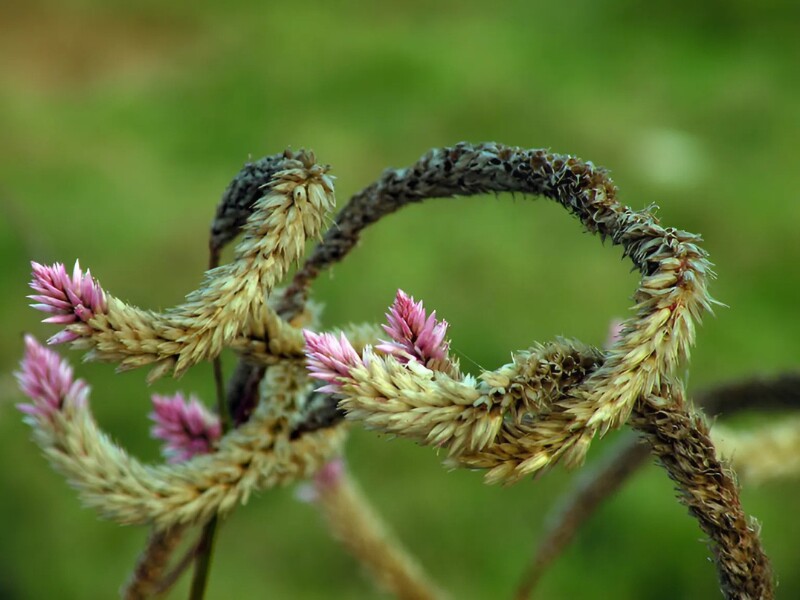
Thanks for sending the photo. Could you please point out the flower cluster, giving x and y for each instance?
(48, 381)
(71, 300)
(187, 428)
(415, 335)
(330, 359)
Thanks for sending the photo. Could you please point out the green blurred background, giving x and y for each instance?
(122, 122)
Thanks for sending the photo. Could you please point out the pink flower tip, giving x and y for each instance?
(48, 381)
(186, 428)
(330, 474)
(414, 334)
(69, 299)
(330, 359)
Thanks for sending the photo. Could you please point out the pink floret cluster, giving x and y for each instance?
(187, 428)
(330, 359)
(48, 381)
(70, 299)
(414, 334)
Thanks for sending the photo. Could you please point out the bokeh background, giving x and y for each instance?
(122, 122)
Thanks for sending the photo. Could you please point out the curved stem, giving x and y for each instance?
(603, 479)
(580, 502)
(679, 438)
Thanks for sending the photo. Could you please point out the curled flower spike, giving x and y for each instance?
(230, 304)
(48, 381)
(330, 359)
(75, 299)
(415, 335)
(187, 428)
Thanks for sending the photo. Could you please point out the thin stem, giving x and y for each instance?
(222, 404)
(205, 546)
(595, 486)
(203, 560)
(171, 578)
(144, 581)
(358, 526)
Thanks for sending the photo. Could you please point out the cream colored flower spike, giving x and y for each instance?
(231, 299)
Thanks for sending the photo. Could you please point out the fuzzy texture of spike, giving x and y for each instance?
(70, 299)
(679, 438)
(231, 298)
(261, 454)
(670, 298)
(50, 384)
(415, 335)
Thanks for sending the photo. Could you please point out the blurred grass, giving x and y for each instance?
(122, 122)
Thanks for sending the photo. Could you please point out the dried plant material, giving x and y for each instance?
(512, 421)
(238, 202)
(760, 455)
(150, 567)
(355, 523)
(231, 298)
(259, 455)
(522, 418)
(671, 296)
(679, 438)
(603, 479)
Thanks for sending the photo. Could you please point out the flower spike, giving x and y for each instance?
(330, 359)
(414, 334)
(70, 299)
(48, 381)
(187, 428)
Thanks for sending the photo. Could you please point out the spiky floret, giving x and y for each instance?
(185, 427)
(330, 359)
(672, 293)
(261, 454)
(512, 421)
(70, 299)
(50, 384)
(230, 300)
(414, 334)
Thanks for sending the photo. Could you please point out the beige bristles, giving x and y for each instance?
(670, 298)
(760, 455)
(513, 421)
(232, 298)
(354, 522)
(272, 339)
(260, 454)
